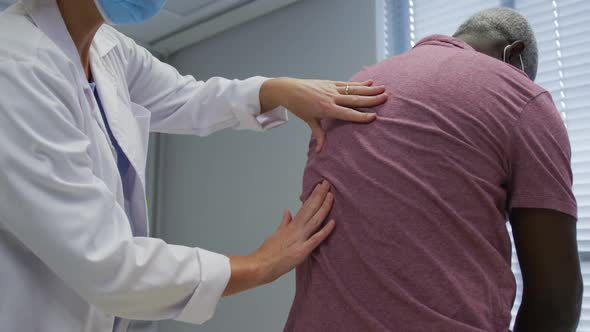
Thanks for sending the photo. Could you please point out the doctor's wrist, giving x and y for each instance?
(246, 272)
(274, 93)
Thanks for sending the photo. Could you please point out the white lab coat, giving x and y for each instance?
(71, 258)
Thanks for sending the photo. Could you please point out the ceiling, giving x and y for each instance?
(5, 3)
(178, 14)
(186, 22)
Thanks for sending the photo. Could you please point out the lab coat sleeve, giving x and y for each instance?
(51, 201)
(183, 105)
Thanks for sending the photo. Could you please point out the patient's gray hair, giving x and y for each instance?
(507, 24)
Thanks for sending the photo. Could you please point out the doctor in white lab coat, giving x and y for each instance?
(77, 101)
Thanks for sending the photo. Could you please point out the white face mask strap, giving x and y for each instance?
(520, 56)
(505, 48)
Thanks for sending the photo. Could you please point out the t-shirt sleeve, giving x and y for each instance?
(540, 160)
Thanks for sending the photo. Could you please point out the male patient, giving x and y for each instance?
(422, 196)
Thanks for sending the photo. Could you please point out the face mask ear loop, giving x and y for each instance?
(505, 48)
(520, 56)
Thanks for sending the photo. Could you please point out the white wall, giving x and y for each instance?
(226, 192)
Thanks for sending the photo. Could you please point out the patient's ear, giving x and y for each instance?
(514, 51)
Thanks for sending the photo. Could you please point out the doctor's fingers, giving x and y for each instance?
(318, 218)
(344, 84)
(286, 219)
(349, 114)
(313, 203)
(315, 240)
(361, 90)
(355, 101)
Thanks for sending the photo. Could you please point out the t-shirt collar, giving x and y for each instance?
(444, 40)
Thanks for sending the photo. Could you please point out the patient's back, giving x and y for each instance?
(421, 197)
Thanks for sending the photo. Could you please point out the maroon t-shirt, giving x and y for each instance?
(422, 195)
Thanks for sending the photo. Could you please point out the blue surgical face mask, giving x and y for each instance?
(129, 11)
(521, 62)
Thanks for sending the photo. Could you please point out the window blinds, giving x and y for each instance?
(428, 17)
(562, 28)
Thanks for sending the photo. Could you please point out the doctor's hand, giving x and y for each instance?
(293, 241)
(313, 100)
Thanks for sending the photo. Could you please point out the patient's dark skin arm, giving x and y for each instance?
(548, 253)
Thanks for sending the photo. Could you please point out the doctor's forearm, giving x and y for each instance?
(245, 274)
(271, 93)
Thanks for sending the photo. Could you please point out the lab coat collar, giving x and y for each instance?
(121, 121)
(103, 43)
(47, 17)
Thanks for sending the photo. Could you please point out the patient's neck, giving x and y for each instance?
(486, 46)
